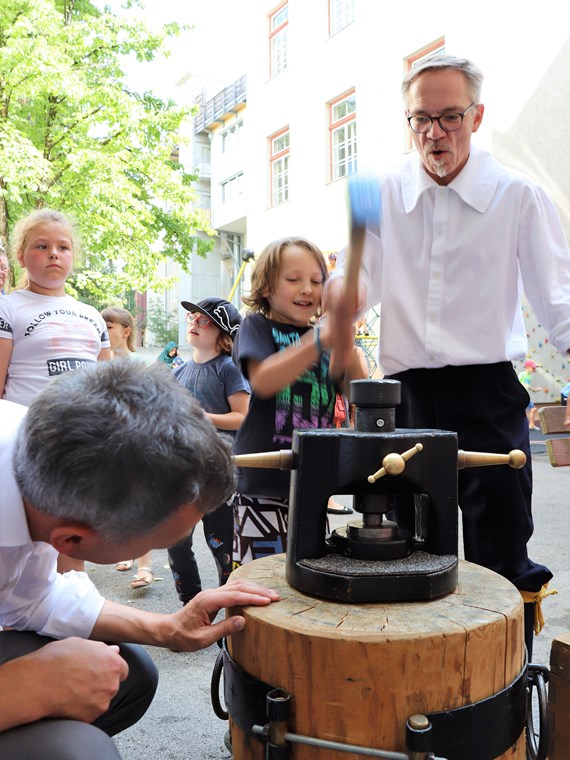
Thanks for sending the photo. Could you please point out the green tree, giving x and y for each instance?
(75, 138)
(162, 324)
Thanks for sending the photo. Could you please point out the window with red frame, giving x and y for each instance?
(343, 136)
(279, 167)
(341, 14)
(278, 27)
(434, 48)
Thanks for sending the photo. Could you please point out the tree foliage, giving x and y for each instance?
(74, 137)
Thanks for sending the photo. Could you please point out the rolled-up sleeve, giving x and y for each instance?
(35, 597)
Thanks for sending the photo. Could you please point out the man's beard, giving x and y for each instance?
(439, 167)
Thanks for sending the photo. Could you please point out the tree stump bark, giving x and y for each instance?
(356, 672)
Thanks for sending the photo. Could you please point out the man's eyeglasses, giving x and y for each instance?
(449, 122)
(198, 319)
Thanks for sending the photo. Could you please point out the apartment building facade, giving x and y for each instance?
(321, 99)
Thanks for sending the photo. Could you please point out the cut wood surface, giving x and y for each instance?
(558, 451)
(358, 671)
(552, 419)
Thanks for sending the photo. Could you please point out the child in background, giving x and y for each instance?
(212, 377)
(43, 331)
(122, 334)
(525, 378)
(168, 354)
(286, 362)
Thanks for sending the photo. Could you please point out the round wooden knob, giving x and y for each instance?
(517, 459)
(394, 464)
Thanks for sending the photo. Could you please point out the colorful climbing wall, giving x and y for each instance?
(553, 369)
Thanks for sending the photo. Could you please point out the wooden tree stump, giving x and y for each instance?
(356, 672)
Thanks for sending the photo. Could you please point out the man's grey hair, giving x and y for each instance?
(120, 448)
(470, 71)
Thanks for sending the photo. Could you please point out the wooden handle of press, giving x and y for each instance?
(515, 458)
(276, 460)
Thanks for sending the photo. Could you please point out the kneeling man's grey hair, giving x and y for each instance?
(120, 448)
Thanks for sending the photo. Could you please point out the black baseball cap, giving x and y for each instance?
(222, 313)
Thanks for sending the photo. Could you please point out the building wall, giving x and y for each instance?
(369, 55)
(524, 54)
(525, 58)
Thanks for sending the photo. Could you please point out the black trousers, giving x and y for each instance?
(219, 534)
(485, 405)
(62, 739)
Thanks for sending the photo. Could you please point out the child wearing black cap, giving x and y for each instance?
(213, 378)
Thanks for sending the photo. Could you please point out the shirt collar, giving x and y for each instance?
(475, 184)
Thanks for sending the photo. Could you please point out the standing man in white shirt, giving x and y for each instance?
(108, 461)
(460, 237)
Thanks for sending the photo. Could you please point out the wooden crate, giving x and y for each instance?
(559, 699)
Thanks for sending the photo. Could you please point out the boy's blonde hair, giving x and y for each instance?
(266, 271)
(119, 316)
(24, 227)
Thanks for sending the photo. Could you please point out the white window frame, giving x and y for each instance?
(231, 136)
(278, 32)
(343, 145)
(231, 187)
(279, 166)
(341, 15)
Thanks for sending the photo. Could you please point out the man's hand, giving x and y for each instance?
(188, 629)
(73, 678)
(194, 628)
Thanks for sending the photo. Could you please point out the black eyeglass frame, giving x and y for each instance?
(431, 120)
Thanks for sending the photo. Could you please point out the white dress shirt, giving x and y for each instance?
(33, 595)
(451, 262)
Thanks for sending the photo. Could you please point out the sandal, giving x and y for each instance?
(144, 580)
(332, 510)
(341, 511)
(127, 564)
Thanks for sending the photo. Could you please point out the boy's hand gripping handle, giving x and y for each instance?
(364, 208)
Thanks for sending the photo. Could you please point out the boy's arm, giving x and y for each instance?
(358, 367)
(279, 370)
(239, 404)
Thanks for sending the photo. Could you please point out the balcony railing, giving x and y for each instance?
(221, 105)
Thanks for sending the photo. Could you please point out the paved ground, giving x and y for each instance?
(181, 725)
